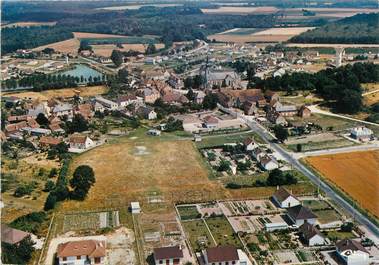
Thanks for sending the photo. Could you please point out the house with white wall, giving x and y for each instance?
(352, 252)
(168, 255)
(311, 235)
(284, 198)
(300, 214)
(81, 252)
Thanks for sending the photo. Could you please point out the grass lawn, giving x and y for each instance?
(339, 235)
(315, 204)
(188, 212)
(223, 232)
(327, 121)
(134, 167)
(211, 141)
(313, 146)
(327, 216)
(197, 233)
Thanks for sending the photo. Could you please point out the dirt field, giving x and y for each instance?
(65, 93)
(268, 35)
(138, 167)
(106, 49)
(28, 24)
(371, 94)
(355, 173)
(66, 46)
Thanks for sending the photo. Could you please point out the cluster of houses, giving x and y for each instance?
(266, 161)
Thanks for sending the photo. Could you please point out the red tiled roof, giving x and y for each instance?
(168, 253)
(222, 253)
(91, 248)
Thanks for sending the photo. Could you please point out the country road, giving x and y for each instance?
(371, 228)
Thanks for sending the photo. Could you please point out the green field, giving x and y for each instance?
(188, 212)
(198, 234)
(316, 204)
(327, 216)
(223, 232)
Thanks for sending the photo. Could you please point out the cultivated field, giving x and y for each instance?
(86, 91)
(134, 7)
(139, 167)
(266, 35)
(240, 10)
(326, 45)
(371, 94)
(72, 45)
(356, 173)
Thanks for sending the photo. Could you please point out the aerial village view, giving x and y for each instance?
(183, 132)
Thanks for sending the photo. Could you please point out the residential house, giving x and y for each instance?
(80, 141)
(15, 127)
(221, 255)
(36, 108)
(13, 119)
(311, 235)
(199, 97)
(271, 96)
(150, 95)
(62, 109)
(146, 112)
(300, 214)
(85, 110)
(285, 110)
(275, 117)
(361, 133)
(249, 144)
(174, 98)
(126, 100)
(12, 236)
(168, 255)
(250, 108)
(175, 81)
(210, 122)
(352, 252)
(268, 163)
(304, 112)
(56, 128)
(258, 153)
(81, 252)
(107, 104)
(284, 198)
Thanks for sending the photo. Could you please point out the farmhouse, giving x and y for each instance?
(361, 133)
(79, 141)
(81, 252)
(311, 235)
(300, 214)
(284, 198)
(352, 252)
(168, 255)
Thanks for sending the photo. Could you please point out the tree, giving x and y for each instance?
(42, 120)
(224, 165)
(50, 202)
(19, 253)
(151, 49)
(210, 101)
(278, 177)
(123, 75)
(78, 124)
(190, 95)
(281, 133)
(299, 147)
(49, 185)
(117, 57)
(83, 179)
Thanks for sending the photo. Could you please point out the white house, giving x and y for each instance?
(352, 252)
(81, 252)
(108, 104)
(300, 214)
(79, 141)
(284, 198)
(135, 207)
(268, 163)
(147, 113)
(249, 144)
(258, 153)
(168, 255)
(311, 235)
(126, 100)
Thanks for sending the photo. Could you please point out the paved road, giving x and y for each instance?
(315, 109)
(370, 227)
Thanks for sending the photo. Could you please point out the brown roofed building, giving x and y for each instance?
(300, 214)
(12, 236)
(352, 252)
(221, 255)
(311, 235)
(168, 255)
(284, 198)
(49, 141)
(14, 127)
(304, 112)
(80, 141)
(80, 252)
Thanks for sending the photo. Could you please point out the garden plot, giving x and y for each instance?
(90, 220)
(188, 212)
(223, 232)
(255, 207)
(287, 256)
(315, 205)
(305, 256)
(328, 218)
(209, 209)
(198, 234)
(244, 224)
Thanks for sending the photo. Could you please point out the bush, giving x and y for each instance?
(49, 186)
(30, 222)
(25, 189)
(50, 202)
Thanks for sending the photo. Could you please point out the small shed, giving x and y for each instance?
(135, 207)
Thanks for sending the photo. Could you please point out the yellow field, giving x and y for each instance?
(355, 173)
(64, 93)
(132, 169)
(371, 93)
(240, 10)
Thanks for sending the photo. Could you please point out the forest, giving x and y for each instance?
(361, 28)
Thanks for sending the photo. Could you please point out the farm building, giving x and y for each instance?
(284, 198)
(80, 252)
(352, 252)
(168, 255)
(79, 141)
(361, 133)
(311, 235)
(300, 214)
